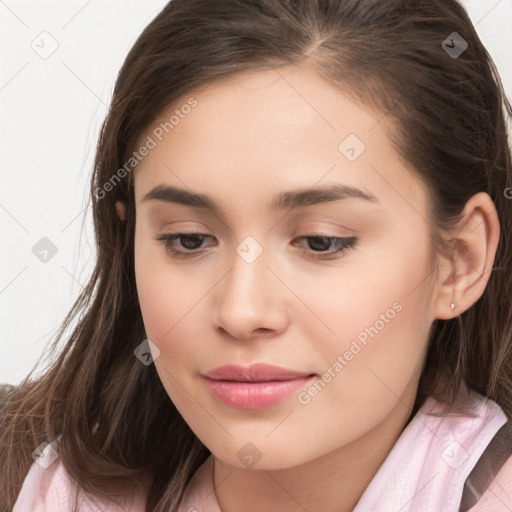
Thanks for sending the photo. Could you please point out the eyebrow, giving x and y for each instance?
(289, 200)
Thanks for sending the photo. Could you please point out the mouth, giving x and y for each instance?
(255, 387)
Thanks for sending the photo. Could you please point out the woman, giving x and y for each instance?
(302, 293)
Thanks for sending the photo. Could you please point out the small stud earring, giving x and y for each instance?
(452, 306)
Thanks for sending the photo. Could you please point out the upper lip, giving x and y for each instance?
(257, 372)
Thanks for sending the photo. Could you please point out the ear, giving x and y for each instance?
(464, 275)
(121, 210)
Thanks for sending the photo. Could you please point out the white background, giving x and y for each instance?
(51, 112)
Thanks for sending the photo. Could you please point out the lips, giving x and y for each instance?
(257, 372)
(255, 387)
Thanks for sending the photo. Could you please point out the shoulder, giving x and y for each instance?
(498, 496)
(46, 486)
(488, 487)
(494, 469)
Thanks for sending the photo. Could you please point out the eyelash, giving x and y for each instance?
(343, 243)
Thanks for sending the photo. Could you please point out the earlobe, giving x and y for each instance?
(121, 210)
(472, 258)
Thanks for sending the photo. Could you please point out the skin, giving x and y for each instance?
(251, 136)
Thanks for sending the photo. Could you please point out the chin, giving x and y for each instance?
(262, 456)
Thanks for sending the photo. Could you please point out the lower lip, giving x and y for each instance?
(255, 395)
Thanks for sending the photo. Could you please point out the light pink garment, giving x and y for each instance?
(47, 488)
(425, 470)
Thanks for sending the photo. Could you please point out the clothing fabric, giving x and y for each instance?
(425, 470)
(48, 488)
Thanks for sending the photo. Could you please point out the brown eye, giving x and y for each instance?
(187, 242)
(322, 246)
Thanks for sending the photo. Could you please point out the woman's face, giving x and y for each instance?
(267, 149)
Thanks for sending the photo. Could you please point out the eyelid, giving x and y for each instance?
(343, 243)
(333, 228)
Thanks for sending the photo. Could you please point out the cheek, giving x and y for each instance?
(168, 315)
(379, 317)
(379, 294)
(167, 307)
(167, 299)
(362, 381)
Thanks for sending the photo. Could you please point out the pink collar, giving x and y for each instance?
(427, 465)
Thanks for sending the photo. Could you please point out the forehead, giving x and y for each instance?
(274, 129)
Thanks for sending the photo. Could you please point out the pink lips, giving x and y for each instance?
(259, 385)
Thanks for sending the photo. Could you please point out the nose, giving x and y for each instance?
(251, 301)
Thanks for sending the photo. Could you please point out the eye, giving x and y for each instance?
(320, 246)
(189, 241)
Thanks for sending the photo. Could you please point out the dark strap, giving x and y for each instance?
(487, 467)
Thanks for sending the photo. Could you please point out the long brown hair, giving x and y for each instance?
(117, 425)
